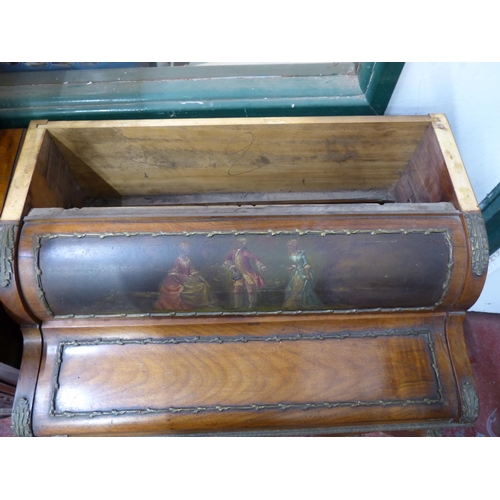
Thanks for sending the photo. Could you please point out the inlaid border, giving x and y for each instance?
(282, 405)
(210, 234)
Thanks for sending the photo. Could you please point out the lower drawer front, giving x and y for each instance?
(234, 376)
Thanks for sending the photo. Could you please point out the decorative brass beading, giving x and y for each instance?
(211, 234)
(437, 398)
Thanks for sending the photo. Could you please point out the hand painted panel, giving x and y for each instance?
(242, 272)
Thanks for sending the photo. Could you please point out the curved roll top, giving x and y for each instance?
(265, 261)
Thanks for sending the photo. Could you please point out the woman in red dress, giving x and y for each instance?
(183, 288)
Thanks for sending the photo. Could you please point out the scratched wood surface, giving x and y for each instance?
(355, 159)
(235, 156)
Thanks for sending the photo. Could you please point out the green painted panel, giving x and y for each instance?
(192, 92)
(377, 81)
(490, 207)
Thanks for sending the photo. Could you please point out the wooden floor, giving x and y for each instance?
(482, 332)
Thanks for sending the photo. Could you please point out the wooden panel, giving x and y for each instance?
(18, 192)
(8, 374)
(53, 184)
(92, 377)
(242, 367)
(184, 376)
(374, 263)
(426, 178)
(28, 376)
(456, 170)
(7, 389)
(235, 156)
(461, 365)
(436, 171)
(41, 178)
(10, 295)
(478, 260)
(9, 144)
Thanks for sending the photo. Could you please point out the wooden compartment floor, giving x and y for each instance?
(482, 335)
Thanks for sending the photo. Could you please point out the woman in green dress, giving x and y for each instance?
(299, 293)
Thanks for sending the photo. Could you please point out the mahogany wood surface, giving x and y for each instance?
(478, 243)
(426, 178)
(126, 374)
(53, 184)
(10, 141)
(10, 144)
(16, 202)
(129, 377)
(41, 178)
(198, 222)
(10, 294)
(28, 375)
(458, 348)
(436, 171)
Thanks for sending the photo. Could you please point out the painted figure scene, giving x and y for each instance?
(150, 274)
(184, 288)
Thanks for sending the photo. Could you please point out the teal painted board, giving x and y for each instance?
(490, 207)
(378, 80)
(183, 92)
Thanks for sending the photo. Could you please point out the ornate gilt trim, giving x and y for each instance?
(210, 234)
(470, 403)
(7, 239)
(21, 419)
(38, 276)
(253, 407)
(478, 241)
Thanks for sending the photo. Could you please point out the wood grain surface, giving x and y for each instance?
(131, 377)
(456, 169)
(41, 178)
(21, 181)
(10, 294)
(160, 375)
(143, 158)
(29, 372)
(10, 141)
(426, 178)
